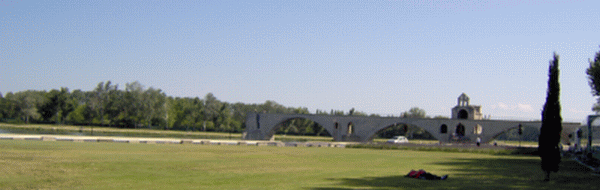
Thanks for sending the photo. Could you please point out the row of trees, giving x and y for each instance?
(133, 107)
(140, 107)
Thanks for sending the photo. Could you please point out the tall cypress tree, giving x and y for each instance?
(551, 123)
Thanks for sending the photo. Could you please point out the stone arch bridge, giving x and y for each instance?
(262, 126)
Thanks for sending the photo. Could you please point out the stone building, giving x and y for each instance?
(464, 110)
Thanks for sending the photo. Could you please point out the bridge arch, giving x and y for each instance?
(433, 131)
(271, 129)
(405, 130)
(262, 126)
(284, 124)
(361, 129)
(403, 125)
(512, 133)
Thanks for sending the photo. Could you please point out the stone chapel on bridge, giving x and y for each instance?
(463, 110)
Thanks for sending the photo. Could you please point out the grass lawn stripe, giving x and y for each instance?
(75, 165)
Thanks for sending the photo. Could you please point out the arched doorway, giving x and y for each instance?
(478, 129)
(444, 129)
(460, 130)
(463, 114)
(350, 128)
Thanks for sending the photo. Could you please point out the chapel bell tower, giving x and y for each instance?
(463, 109)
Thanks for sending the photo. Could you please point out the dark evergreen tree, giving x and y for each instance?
(551, 123)
(593, 73)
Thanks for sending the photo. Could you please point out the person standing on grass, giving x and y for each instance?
(478, 141)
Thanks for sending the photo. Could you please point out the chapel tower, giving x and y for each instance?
(463, 109)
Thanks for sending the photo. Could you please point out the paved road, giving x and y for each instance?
(166, 140)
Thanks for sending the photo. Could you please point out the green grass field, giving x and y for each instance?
(72, 165)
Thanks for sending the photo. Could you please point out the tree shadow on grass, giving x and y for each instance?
(483, 174)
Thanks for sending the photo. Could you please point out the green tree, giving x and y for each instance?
(414, 112)
(114, 106)
(175, 112)
(27, 103)
(56, 106)
(551, 123)
(153, 101)
(49, 107)
(211, 110)
(210, 126)
(336, 112)
(9, 106)
(191, 113)
(69, 106)
(593, 73)
(103, 100)
(79, 115)
(2, 106)
(239, 112)
(224, 118)
(360, 113)
(82, 112)
(132, 105)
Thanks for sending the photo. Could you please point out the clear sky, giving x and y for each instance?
(380, 57)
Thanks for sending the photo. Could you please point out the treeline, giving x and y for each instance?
(133, 107)
(140, 107)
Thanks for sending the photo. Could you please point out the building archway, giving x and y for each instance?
(350, 128)
(444, 129)
(463, 114)
(478, 129)
(460, 130)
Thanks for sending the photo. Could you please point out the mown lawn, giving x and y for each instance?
(73, 165)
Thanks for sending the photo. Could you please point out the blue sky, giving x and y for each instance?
(379, 57)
